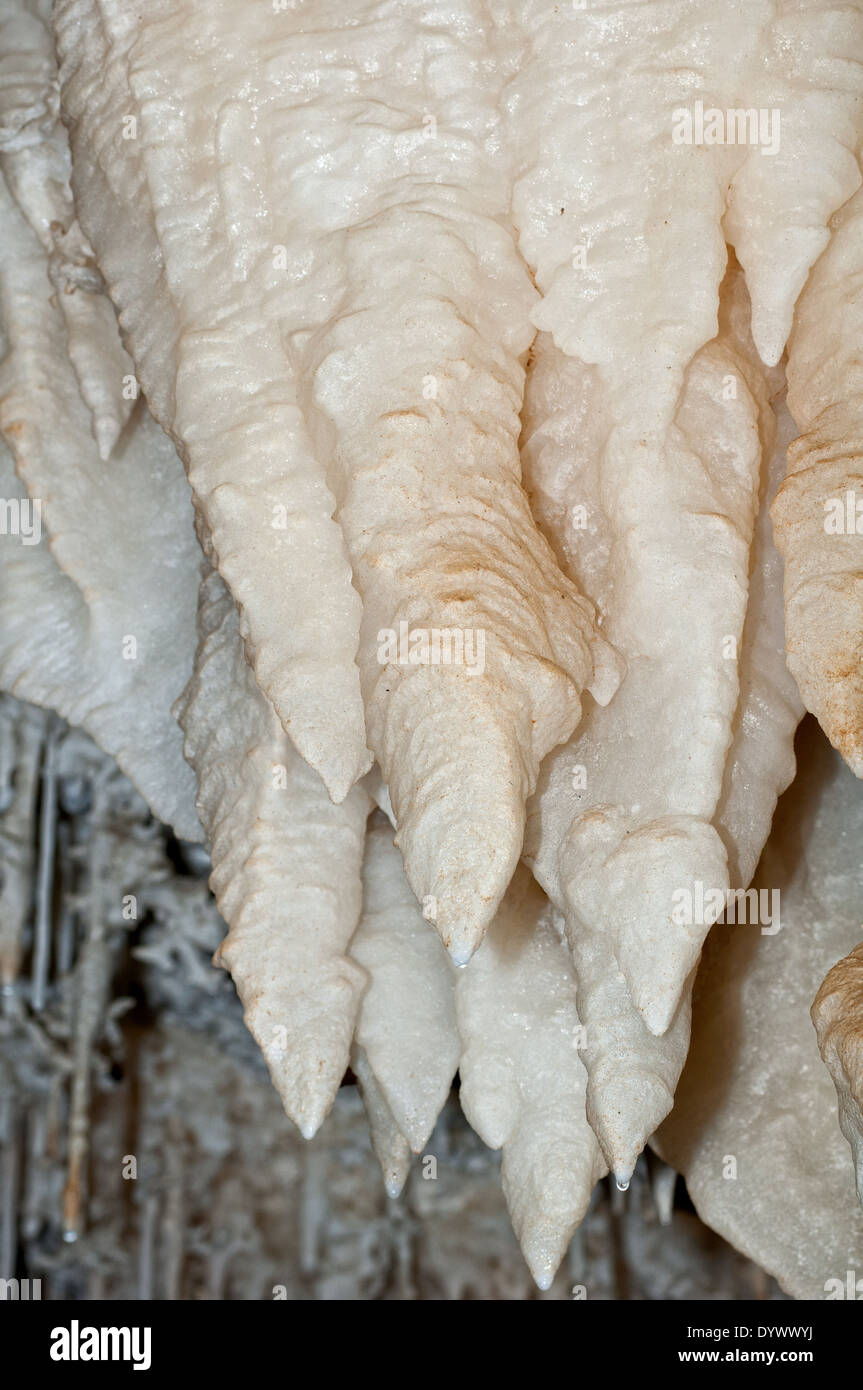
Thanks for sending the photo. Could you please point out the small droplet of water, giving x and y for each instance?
(622, 1186)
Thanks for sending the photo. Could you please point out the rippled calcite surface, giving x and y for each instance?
(755, 1126)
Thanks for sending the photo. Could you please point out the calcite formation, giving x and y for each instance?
(394, 404)
(754, 1127)
(838, 1017)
